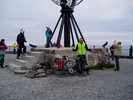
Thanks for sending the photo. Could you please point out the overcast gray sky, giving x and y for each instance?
(93, 16)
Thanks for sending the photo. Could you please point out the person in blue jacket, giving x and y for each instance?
(49, 35)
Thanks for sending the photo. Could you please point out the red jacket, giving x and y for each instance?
(3, 47)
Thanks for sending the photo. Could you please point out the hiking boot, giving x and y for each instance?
(116, 70)
(88, 72)
(17, 57)
(2, 66)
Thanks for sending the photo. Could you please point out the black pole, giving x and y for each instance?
(78, 28)
(56, 26)
(60, 32)
(72, 35)
(131, 51)
(75, 29)
(57, 23)
(66, 12)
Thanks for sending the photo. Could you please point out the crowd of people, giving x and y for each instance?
(81, 48)
(20, 46)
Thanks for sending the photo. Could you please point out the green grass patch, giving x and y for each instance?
(102, 66)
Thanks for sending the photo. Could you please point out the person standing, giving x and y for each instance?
(118, 49)
(3, 47)
(14, 47)
(81, 49)
(112, 51)
(131, 51)
(21, 46)
(118, 53)
(49, 35)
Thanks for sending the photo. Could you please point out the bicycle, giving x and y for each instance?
(73, 65)
(69, 64)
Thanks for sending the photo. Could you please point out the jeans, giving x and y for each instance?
(2, 58)
(82, 62)
(19, 51)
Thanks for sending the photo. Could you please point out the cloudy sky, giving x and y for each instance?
(99, 20)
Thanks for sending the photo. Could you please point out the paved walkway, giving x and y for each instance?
(99, 85)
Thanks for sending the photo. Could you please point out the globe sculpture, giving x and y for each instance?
(70, 3)
(68, 23)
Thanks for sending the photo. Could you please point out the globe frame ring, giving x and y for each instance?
(58, 2)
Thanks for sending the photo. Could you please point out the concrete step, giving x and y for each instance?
(61, 51)
(15, 65)
(18, 69)
(36, 53)
(24, 63)
(21, 61)
(28, 57)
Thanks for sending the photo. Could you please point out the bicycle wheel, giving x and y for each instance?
(69, 65)
(71, 71)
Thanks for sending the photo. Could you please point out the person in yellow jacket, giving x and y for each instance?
(14, 47)
(81, 49)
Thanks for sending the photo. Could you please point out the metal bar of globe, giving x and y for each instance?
(75, 29)
(72, 34)
(60, 32)
(66, 29)
(77, 3)
(56, 27)
(78, 29)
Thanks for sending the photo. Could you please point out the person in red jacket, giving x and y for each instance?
(3, 47)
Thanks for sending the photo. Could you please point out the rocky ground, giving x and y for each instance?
(99, 85)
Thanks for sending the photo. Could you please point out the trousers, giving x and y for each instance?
(82, 62)
(21, 49)
(2, 59)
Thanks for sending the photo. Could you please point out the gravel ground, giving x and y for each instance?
(99, 85)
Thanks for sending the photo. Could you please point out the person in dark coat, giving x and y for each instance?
(21, 46)
(131, 51)
(112, 51)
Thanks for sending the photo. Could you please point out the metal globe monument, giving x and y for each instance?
(70, 3)
(68, 23)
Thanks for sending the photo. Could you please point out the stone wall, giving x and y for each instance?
(96, 56)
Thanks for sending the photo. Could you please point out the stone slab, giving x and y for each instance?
(20, 71)
(60, 51)
(36, 53)
(17, 69)
(21, 61)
